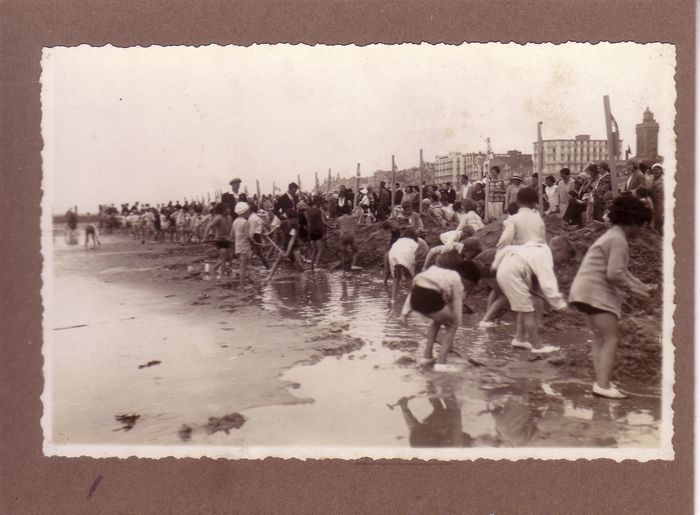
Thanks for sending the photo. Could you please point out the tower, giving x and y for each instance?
(648, 138)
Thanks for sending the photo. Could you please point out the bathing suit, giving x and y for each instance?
(222, 244)
(590, 310)
(426, 301)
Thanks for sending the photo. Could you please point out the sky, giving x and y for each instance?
(164, 123)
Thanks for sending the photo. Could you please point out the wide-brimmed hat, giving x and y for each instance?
(657, 165)
(516, 178)
(363, 191)
(241, 208)
(234, 180)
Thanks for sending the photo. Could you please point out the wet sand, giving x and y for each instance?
(310, 359)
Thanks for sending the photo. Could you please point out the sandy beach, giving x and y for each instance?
(169, 356)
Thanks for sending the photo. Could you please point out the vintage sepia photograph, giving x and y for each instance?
(447, 252)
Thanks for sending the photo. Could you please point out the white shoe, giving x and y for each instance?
(545, 350)
(484, 324)
(609, 393)
(355, 267)
(444, 367)
(521, 345)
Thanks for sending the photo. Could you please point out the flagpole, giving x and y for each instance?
(357, 187)
(328, 186)
(393, 181)
(540, 167)
(420, 186)
(299, 182)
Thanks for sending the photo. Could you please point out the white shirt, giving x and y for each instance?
(523, 227)
(403, 252)
(255, 224)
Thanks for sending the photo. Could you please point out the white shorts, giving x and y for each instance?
(514, 277)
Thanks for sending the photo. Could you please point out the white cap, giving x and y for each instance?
(241, 207)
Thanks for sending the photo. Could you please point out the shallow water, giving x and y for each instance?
(509, 401)
(501, 397)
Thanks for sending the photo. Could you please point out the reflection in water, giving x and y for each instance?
(443, 427)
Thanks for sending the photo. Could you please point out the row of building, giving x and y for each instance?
(555, 154)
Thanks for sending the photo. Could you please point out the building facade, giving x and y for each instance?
(573, 154)
(450, 167)
(648, 138)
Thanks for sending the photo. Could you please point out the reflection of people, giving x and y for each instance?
(515, 423)
(442, 428)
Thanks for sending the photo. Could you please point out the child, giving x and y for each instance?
(221, 225)
(466, 215)
(402, 259)
(598, 287)
(395, 233)
(467, 247)
(517, 266)
(438, 293)
(366, 218)
(91, 232)
(256, 226)
(526, 225)
(240, 233)
(317, 230)
(346, 225)
(290, 234)
(552, 195)
(409, 217)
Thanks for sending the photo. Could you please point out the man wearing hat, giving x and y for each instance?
(234, 196)
(516, 183)
(287, 201)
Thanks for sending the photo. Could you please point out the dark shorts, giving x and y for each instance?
(222, 244)
(315, 236)
(348, 240)
(90, 230)
(590, 310)
(426, 301)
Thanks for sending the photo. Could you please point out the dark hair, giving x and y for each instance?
(466, 269)
(565, 171)
(219, 209)
(628, 210)
(643, 167)
(550, 178)
(468, 205)
(444, 198)
(457, 206)
(592, 168)
(604, 166)
(472, 244)
(293, 185)
(527, 196)
(409, 232)
(497, 169)
(513, 208)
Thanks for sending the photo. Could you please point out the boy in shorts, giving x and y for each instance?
(517, 267)
(347, 223)
(91, 232)
(438, 293)
(240, 233)
(221, 225)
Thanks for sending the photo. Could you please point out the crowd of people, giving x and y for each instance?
(519, 270)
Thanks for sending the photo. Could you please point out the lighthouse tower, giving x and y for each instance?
(648, 138)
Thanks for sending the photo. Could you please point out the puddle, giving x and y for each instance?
(500, 399)
(373, 396)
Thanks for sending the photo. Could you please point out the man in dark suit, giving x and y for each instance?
(635, 177)
(287, 201)
(451, 193)
(231, 198)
